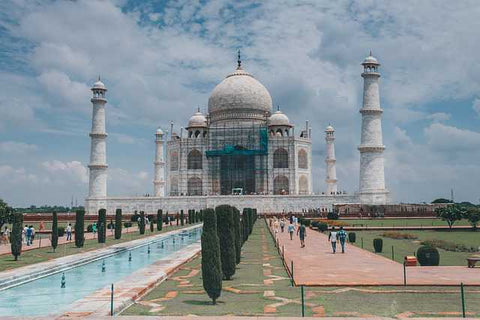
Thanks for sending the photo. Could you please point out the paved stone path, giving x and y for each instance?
(315, 265)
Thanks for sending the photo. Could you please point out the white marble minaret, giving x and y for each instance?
(159, 180)
(331, 179)
(372, 175)
(98, 155)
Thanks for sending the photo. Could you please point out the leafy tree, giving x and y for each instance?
(442, 200)
(238, 235)
(79, 228)
(159, 220)
(16, 235)
(102, 225)
(54, 240)
(118, 224)
(226, 235)
(473, 216)
(6, 214)
(211, 261)
(450, 214)
(142, 223)
(181, 217)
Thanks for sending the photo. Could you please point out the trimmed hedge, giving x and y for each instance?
(118, 224)
(211, 257)
(378, 245)
(352, 237)
(16, 235)
(102, 225)
(54, 240)
(79, 228)
(428, 256)
(226, 235)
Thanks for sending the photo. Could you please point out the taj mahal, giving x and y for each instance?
(244, 153)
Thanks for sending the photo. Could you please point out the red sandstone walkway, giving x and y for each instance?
(45, 239)
(316, 265)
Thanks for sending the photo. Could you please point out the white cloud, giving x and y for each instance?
(17, 147)
(476, 106)
(67, 172)
(452, 140)
(439, 116)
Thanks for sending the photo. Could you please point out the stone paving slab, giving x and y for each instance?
(132, 287)
(20, 275)
(316, 265)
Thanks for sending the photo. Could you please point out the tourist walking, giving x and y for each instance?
(24, 234)
(6, 235)
(275, 225)
(332, 237)
(302, 232)
(41, 227)
(94, 229)
(33, 234)
(342, 236)
(28, 234)
(69, 232)
(291, 230)
(282, 224)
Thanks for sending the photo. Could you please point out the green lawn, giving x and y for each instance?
(44, 254)
(401, 222)
(409, 247)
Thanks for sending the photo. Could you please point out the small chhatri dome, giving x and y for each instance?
(159, 131)
(99, 85)
(278, 119)
(239, 97)
(370, 60)
(197, 120)
(329, 129)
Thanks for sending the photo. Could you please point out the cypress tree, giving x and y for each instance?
(166, 218)
(152, 226)
(54, 240)
(211, 261)
(16, 235)
(238, 235)
(142, 222)
(159, 220)
(226, 235)
(201, 215)
(181, 217)
(118, 224)
(250, 220)
(177, 219)
(246, 224)
(189, 216)
(102, 225)
(79, 228)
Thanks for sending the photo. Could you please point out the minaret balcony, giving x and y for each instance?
(159, 163)
(371, 74)
(370, 148)
(98, 135)
(98, 99)
(97, 166)
(330, 160)
(371, 111)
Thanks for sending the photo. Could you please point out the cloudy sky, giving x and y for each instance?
(161, 59)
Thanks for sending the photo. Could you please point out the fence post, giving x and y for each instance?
(463, 299)
(393, 254)
(362, 242)
(404, 273)
(283, 252)
(303, 301)
(111, 302)
(291, 271)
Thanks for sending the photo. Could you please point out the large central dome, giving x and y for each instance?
(239, 97)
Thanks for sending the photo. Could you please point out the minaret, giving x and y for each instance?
(331, 179)
(372, 175)
(98, 157)
(159, 181)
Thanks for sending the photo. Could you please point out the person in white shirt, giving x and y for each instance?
(332, 237)
(69, 232)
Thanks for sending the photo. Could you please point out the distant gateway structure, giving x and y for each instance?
(244, 154)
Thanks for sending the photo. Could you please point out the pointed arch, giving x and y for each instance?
(194, 160)
(194, 186)
(302, 159)
(303, 185)
(280, 158)
(280, 185)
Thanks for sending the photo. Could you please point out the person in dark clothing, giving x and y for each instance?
(302, 232)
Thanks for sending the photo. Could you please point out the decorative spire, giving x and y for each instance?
(239, 61)
(370, 53)
(198, 109)
(278, 107)
(99, 78)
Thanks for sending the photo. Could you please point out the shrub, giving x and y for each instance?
(54, 240)
(127, 224)
(307, 222)
(352, 237)
(398, 235)
(61, 231)
(378, 245)
(447, 245)
(102, 225)
(322, 226)
(428, 256)
(110, 226)
(134, 217)
(118, 224)
(16, 235)
(226, 236)
(181, 217)
(142, 223)
(332, 216)
(90, 228)
(79, 228)
(211, 261)
(159, 220)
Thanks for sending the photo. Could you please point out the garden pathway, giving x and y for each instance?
(316, 265)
